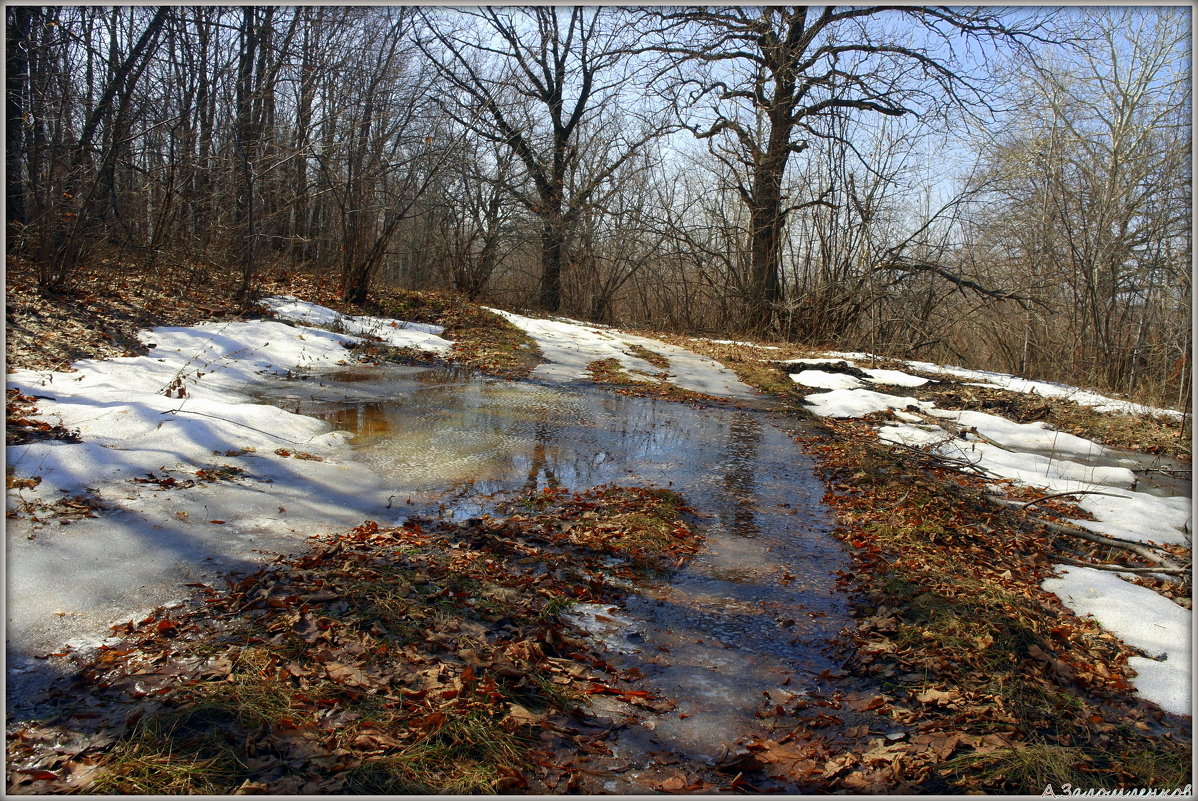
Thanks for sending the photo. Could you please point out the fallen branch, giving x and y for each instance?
(1172, 571)
(1137, 548)
(1066, 494)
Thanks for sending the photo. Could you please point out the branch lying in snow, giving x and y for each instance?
(1135, 547)
(233, 422)
(1172, 571)
(952, 463)
(1066, 494)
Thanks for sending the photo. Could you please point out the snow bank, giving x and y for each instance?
(569, 346)
(398, 333)
(858, 402)
(132, 423)
(988, 378)
(178, 411)
(1048, 389)
(821, 379)
(1137, 615)
(1141, 618)
(1036, 436)
(1139, 516)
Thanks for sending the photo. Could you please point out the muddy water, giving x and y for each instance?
(748, 618)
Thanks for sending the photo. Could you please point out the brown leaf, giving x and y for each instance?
(346, 674)
(939, 697)
(518, 716)
(786, 761)
(306, 629)
(678, 784)
(375, 741)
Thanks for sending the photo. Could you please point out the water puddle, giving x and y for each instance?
(1156, 475)
(748, 619)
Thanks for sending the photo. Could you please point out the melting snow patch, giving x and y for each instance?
(399, 333)
(1056, 475)
(1141, 618)
(1048, 389)
(858, 402)
(896, 378)
(569, 346)
(150, 425)
(822, 379)
(1139, 516)
(1023, 436)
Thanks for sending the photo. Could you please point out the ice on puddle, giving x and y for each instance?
(605, 624)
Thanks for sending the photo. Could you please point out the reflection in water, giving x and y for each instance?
(365, 419)
(744, 439)
(750, 613)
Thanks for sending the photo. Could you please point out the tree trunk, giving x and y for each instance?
(766, 223)
(20, 22)
(552, 251)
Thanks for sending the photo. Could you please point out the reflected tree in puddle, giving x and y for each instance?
(752, 613)
(744, 437)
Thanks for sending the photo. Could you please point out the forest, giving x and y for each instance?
(598, 400)
(998, 188)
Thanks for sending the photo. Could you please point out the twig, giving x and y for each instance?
(177, 412)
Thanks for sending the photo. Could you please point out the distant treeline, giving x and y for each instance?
(1006, 188)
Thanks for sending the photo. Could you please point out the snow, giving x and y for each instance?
(988, 378)
(149, 540)
(735, 342)
(896, 378)
(1141, 618)
(1023, 436)
(399, 333)
(1048, 389)
(1036, 455)
(569, 346)
(822, 379)
(68, 583)
(858, 402)
(1139, 516)
(915, 436)
(1055, 475)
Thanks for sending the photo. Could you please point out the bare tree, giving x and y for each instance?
(768, 78)
(1090, 186)
(531, 80)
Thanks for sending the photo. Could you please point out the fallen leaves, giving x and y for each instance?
(435, 643)
(976, 658)
(22, 426)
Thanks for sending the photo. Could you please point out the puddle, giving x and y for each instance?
(1156, 475)
(748, 616)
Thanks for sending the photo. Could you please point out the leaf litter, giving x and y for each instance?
(429, 657)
